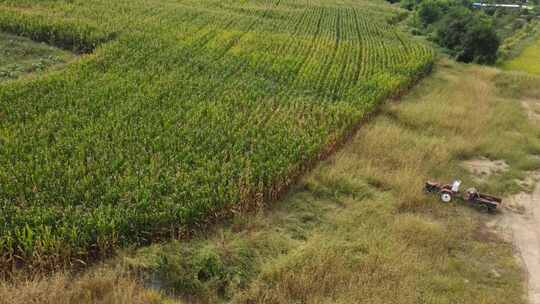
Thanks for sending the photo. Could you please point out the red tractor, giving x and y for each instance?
(448, 192)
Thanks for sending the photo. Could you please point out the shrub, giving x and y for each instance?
(409, 4)
(469, 37)
(481, 43)
(430, 11)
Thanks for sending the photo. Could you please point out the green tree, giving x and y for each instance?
(430, 11)
(469, 37)
(481, 42)
(409, 4)
(450, 29)
(536, 10)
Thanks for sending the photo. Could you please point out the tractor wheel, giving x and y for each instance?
(446, 197)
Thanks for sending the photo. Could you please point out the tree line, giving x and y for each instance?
(467, 33)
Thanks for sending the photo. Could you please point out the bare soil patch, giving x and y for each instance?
(522, 221)
(520, 224)
(483, 167)
(532, 107)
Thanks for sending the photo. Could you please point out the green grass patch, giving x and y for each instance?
(513, 45)
(528, 61)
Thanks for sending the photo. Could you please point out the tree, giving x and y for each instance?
(429, 12)
(536, 10)
(409, 4)
(481, 43)
(469, 37)
(450, 29)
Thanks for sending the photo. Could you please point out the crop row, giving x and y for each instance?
(196, 109)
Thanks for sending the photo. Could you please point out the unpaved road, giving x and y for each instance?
(522, 216)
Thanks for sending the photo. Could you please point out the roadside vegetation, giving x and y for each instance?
(358, 228)
(181, 112)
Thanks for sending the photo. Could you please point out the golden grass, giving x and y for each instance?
(103, 286)
(358, 229)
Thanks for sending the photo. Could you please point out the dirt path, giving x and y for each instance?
(520, 221)
(522, 217)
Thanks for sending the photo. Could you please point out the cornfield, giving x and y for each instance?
(178, 112)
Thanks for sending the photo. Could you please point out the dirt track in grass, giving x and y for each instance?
(521, 224)
(526, 231)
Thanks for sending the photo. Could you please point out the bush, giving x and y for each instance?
(469, 37)
(536, 11)
(451, 28)
(430, 11)
(409, 4)
(481, 43)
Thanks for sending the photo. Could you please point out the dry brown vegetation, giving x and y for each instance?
(102, 286)
(358, 229)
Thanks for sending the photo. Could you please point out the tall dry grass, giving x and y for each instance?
(102, 286)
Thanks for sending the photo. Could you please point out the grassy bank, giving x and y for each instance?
(358, 229)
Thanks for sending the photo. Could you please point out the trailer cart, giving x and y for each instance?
(449, 192)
